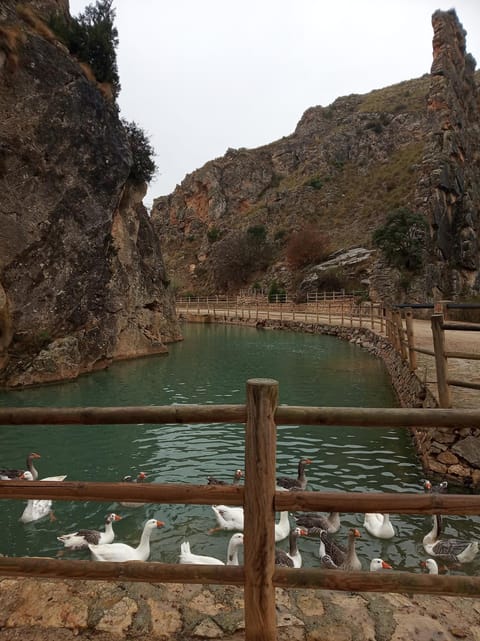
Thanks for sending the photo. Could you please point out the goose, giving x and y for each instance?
(293, 553)
(300, 483)
(8, 475)
(342, 559)
(231, 518)
(118, 552)
(330, 523)
(441, 488)
(453, 549)
(235, 542)
(141, 476)
(38, 508)
(379, 525)
(377, 565)
(431, 565)
(211, 480)
(79, 540)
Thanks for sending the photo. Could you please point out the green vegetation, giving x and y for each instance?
(409, 95)
(276, 293)
(213, 234)
(143, 168)
(92, 38)
(402, 239)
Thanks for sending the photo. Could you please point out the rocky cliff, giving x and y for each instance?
(340, 173)
(82, 279)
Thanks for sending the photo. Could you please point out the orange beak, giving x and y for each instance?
(386, 566)
(160, 523)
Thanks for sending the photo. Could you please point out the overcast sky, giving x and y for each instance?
(200, 76)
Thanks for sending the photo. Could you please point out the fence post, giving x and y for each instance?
(401, 343)
(440, 360)
(412, 355)
(259, 523)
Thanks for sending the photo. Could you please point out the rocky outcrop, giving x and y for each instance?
(81, 272)
(342, 170)
(448, 191)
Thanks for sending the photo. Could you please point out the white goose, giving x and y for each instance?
(377, 565)
(186, 556)
(431, 565)
(79, 540)
(231, 518)
(38, 508)
(119, 552)
(379, 525)
(452, 549)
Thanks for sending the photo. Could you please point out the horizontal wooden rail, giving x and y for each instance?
(170, 493)
(395, 582)
(421, 350)
(468, 384)
(463, 355)
(463, 327)
(284, 415)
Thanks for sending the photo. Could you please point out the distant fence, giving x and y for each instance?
(337, 308)
(259, 575)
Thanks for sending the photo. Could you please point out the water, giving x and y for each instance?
(212, 365)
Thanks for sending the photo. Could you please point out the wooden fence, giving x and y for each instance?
(396, 323)
(259, 575)
(403, 338)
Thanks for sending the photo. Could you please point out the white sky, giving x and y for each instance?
(200, 76)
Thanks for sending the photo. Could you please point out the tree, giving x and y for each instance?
(402, 239)
(306, 247)
(144, 167)
(93, 38)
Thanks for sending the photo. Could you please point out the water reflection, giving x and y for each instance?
(212, 365)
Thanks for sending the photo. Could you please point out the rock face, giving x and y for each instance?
(448, 192)
(82, 279)
(342, 171)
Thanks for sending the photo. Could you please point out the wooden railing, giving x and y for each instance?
(396, 324)
(343, 310)
(259, 575)
(404, 340)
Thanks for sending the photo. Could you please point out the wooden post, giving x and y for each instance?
(401, 342)
(259, 523)
(440, 360)
(412, 355)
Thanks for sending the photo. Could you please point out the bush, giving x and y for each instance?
(257, 233)
(213, 234)
(144, 167)
(276, 293)
(235, 258)
(92, 38)
(306, 247)
(402, 239)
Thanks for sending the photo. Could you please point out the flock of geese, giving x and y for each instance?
(332, 554)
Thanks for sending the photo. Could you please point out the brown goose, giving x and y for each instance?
(343, 560)
(236, 479)
(330, 523)
(8, 475)
(452, 549)
(141, 476)
(292, 558)
(300, 483)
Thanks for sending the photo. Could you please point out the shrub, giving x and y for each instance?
(402, 239)
(276, 293)
(213, 234)
(235, 258)
(257, 233)
(331, 280)
(92, 38)
(143, 168)
(306, 247)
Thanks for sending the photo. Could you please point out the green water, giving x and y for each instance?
(212, 365)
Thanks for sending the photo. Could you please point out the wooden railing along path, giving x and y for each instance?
(259, 575)
(395, 323)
